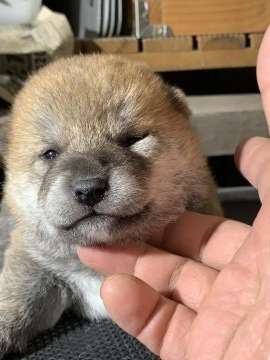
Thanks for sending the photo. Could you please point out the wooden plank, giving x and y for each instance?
(255, 40)
(113, 45)
(197, 17)
(171, 44)
(221, 42)
(222, 121)
(194, 60)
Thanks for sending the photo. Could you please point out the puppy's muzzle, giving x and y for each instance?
(91, 191)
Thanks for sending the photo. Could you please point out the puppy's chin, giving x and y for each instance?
(100, 229)
(106, 230)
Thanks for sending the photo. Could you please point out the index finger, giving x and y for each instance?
(212, 240)
(208, 239)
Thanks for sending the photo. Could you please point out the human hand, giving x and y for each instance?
(214, 303)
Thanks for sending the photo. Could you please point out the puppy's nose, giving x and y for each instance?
(90, 192)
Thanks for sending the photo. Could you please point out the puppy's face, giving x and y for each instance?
(100, 150)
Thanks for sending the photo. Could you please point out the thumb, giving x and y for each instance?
(159, 323)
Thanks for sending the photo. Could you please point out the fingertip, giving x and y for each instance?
(119, 287)
(89, 256)
(108, 260)
(245, 149)
(128, 300)
(101, 259)
(81, 253)
(263, 62)
(246, 156)
(111, 285)
(239, 151)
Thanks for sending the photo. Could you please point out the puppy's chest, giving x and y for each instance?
(86, 290)
(83, 282)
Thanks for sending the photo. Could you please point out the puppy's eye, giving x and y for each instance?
(132, 140)
(50, 154)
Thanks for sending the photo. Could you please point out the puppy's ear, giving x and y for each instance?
(179, 100)
(4, 131)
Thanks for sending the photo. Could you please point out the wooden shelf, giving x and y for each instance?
(180, 53)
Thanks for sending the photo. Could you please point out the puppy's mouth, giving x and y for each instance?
(94, 216)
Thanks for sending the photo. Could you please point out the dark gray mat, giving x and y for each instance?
(74, 338)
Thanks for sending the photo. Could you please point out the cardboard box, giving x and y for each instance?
(201, 17)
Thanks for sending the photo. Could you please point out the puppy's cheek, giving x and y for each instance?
(23, 191)
(127, 194)
(167, 185)
(40, 167)
(58, 202)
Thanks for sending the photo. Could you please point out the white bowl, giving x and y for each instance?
(18, 12)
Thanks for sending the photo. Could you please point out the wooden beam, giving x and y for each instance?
(255, 40)
(221, 42)
(194, 60)
(114, 45)
(170, 44)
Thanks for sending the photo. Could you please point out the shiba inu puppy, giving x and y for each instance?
(100, 151)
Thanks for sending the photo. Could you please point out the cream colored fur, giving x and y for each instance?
(110, 119)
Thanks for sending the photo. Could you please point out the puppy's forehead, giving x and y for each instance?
(97, 95)
(95, 88)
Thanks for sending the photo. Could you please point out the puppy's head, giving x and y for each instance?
(101, 150)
